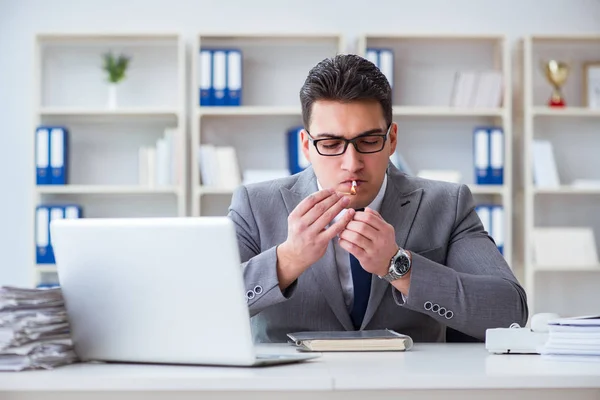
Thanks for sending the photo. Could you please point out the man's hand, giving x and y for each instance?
(371, 240)
(308, 234)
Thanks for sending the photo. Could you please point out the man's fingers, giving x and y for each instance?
(370, 219)
(353, 249)
(327, 216)
(315, 214)
(363, 229)
(339, 225)
(356, 238)
(309, 202)
(375, 213)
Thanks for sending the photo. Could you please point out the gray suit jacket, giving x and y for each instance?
(459, 279)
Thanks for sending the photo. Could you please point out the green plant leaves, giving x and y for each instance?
(115, 66)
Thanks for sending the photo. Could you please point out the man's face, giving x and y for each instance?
(331, 119)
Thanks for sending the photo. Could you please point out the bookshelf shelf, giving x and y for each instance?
(567, 190)
(100, 112)
(439, 111)
(565, 38)
(559, 269)
(499, 190)
(434, 37)
(207, 190)
(257, 38)
(106, 158)
(106, 189)
(570, 138)
(566, 112)
(249, 110)
(92, 38)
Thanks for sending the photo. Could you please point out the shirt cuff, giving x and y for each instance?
(399, 297)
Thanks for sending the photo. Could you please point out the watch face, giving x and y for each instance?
(402, 265)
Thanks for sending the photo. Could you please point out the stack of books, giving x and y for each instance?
(34, 330)
(477, 89)
(573, 339)
(219, 166)
(158, 164)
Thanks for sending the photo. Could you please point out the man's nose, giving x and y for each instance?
(352, 159)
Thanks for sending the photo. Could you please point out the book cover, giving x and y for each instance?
(373, 340)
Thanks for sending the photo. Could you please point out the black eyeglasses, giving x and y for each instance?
(366, 144)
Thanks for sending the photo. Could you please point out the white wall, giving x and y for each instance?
(20, 20)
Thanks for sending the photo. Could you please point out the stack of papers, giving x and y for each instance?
(573, 339)
(34, 330)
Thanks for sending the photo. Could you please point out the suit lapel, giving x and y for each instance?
(399, 209)
(324, 272)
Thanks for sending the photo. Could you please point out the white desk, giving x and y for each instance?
(428, 371)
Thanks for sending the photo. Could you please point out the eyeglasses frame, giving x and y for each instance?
(350, 141)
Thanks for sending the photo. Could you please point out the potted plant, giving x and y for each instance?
(115, 67)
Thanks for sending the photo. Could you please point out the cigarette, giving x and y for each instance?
(353, 188)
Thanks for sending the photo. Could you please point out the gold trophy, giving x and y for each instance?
(556, 73)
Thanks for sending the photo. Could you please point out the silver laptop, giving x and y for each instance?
(157, 290)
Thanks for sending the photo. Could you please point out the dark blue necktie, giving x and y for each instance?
(361, 281)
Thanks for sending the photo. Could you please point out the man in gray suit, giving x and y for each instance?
(403, 253)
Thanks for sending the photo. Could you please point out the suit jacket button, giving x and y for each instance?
(428, 305)
(449, 314)
(250, 294)
(442, 311)
(435, 308)
(258, 289)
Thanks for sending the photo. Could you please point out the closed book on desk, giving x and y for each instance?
(375, 340)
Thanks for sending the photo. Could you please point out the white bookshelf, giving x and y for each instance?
(433, 133)
(573, 131)
(248, 110)
(565, 189)
(107, 189)
(101, 112)
(446, 111)
(274, 67)
(71, 91)
(566, 112)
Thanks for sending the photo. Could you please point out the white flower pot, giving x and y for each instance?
(112, 96)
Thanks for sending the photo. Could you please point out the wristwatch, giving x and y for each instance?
(399, 266)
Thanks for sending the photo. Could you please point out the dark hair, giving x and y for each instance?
(345, 78)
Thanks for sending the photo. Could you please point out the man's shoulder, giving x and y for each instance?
(268, 190)
(431, 188)
(271, 186)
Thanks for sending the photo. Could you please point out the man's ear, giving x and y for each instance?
(305, 144)
(393, 138)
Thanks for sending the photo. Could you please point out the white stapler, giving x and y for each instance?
(518, 340)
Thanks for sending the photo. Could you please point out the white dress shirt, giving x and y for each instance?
(342, 257)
